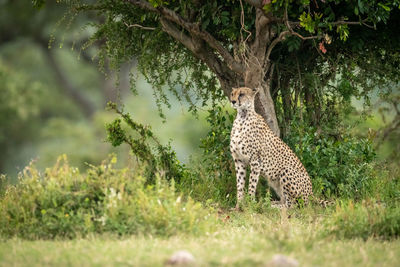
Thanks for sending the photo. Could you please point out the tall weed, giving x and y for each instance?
(365, 220)
(61, 202)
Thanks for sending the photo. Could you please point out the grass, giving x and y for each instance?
(241, 239)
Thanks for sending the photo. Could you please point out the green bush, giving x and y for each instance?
(213, 180)
(365, 220)
(155, 157)
(63, 203)
(217, 170)
(339, 165)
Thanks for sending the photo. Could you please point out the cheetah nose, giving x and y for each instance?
(233, 102)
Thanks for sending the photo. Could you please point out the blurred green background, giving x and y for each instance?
(53, 94)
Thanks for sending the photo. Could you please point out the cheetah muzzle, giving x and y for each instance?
(253, 143)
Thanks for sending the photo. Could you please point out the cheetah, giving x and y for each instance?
(253, 143)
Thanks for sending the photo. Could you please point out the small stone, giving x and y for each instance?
(280, 260)
(182, 257)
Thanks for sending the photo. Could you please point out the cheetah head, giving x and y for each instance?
(243, 98)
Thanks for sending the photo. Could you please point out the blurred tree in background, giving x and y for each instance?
(49, 97)
(19, 100)
(53, 94)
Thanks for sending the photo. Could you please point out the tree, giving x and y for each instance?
(48, 96)
(20, 104)
(249, 42)
(36, 28)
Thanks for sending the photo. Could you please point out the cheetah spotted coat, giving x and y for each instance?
(253, 143)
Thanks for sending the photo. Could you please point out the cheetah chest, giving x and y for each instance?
(241, 141)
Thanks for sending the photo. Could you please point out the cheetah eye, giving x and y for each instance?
(241, 94)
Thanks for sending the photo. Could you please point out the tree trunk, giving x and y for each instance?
(264, 104)
(287, 106)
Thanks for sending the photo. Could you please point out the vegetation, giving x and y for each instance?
(341, 165)
(124, 222)
(244, 240)
(63, 203)
(330, 82)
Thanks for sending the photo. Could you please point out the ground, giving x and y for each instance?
(243, 239)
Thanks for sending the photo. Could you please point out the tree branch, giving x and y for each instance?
(292, 32)
(209, 58)
(339, 22)
(262, 36)
(193, 29)
(393, 126)
(278, 39)
(139, 26)
(178, 35)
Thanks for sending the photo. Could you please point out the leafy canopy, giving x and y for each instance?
(130, 29)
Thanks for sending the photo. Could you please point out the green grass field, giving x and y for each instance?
(242, 239)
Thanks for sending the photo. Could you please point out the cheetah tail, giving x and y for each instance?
(325, 203)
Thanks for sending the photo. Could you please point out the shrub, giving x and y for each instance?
(213, 180)
(217, 170)
(157, 158)
(364, 220)
(339, 165)
(61, 202)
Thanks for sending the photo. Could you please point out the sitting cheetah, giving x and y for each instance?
(253, 143)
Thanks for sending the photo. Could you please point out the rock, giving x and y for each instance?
(182, 257)
(280, 260)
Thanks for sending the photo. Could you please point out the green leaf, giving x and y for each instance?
(384, 7)
(343, 31)
(205, 24)
(307, 22)
(267, 8)
(356, 11)
(38, 3)
(361, 6)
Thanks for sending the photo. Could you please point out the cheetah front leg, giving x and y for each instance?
(240, 180)
(254, 176)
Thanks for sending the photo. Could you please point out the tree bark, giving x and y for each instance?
(264, 104)
(286, 105)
